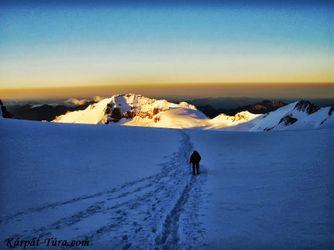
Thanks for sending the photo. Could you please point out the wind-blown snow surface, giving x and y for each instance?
(116, 186)
(130, 187)
(268, 190)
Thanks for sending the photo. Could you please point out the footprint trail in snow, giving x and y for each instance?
(159, 211)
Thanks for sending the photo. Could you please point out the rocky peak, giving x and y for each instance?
(306, 106)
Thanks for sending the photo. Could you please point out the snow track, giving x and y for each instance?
(173, 235)
(158, 211)
(169, 236)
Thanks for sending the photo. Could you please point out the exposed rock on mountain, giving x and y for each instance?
(3, 111)
(307, 107)
(288, 120)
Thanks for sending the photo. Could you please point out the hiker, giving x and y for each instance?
(195, 158)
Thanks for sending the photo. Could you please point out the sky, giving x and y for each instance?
(48, 44)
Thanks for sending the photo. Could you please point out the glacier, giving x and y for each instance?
(131, 187)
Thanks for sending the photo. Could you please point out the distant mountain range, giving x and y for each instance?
(137, 110)
(48, 112)
(260, 107)
(44, 112)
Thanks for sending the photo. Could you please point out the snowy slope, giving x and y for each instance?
(58, 152)
(72, 180)
(267, 190)
(172, 118)
(297, 115)
(224, 121)
(130, 187)
(93, 114)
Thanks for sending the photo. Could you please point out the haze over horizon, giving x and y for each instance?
(206, 48)
(179, 91)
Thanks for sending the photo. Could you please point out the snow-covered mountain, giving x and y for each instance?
(297, 115)
(137, 110)
(242, 118)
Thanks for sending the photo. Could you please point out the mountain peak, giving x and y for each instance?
(131, 109)
(298, 115)
(306, 106)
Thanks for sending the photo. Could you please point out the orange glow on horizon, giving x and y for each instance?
(265, 90)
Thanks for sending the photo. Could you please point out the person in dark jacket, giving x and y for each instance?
(195, 158)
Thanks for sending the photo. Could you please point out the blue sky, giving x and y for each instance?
(69, 43)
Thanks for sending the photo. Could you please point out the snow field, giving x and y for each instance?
(131, 187)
